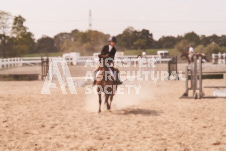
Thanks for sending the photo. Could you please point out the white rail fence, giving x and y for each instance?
(74, 59)
(18, 62)
(10, 62)
(219, 58)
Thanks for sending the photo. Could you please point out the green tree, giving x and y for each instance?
(148, 37)
(192, 38)
(213, 39)
(45, 45)
(167, 42)
(23, 41)
(60, 38)
(204, 40)
(127, 38)
(200, 49)
(84, 42)
(23, 45)
(69, 46)
(213, 48)
(5, 18)
(131, 39)
(18, 28)
(140, 43)
(182, 46)
(222, 41)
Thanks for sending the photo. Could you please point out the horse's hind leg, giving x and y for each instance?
(106, 101)
(100, 102)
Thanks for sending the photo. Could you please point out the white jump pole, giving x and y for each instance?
(50, 72)
(21, 61)
(224, 58)
(200, 78)
(219, 58)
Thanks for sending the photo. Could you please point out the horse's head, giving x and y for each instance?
(105, 59)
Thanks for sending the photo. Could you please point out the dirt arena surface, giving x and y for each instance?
(155, 119)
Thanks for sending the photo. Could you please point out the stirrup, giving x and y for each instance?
(119, 82)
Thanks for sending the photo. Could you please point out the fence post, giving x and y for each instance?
(200, 77)
(0, 63)
(3, 63)
(8, 62)
(219, 58)
(42, 67)
(191, 75)
(47, 67)
(172, 66)
(224, 58)
(186, 82)
(176, 64)
(169, 62)
(195, 75)
(17, 62)
(13, 62)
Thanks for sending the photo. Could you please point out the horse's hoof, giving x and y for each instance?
(99, 111)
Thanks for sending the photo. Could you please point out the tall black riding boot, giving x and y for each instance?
(95, 80)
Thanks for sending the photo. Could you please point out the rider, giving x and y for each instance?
(190, 52)
(144, 54)
(110, 50)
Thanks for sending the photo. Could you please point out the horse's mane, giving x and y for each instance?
(103, 56)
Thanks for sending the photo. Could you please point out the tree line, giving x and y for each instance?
(16, 40)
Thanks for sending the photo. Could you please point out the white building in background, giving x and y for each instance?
(119, 54)
(72, 56)
(163, 53)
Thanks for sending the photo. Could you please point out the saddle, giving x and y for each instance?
(113, 71)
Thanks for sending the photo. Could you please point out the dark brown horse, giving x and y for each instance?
(105, 82)
(186, 55)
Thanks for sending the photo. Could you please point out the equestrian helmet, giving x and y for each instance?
(113, 39)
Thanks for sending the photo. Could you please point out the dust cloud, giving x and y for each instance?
(120, 101)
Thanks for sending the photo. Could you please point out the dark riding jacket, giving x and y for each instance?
(111, 52)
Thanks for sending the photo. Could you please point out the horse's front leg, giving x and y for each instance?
(111, 98)
(106, 101)
(99, 102)
(99, 94)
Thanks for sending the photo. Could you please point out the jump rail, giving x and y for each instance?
(195, 73)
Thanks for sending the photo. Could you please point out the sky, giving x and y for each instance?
(160, 17)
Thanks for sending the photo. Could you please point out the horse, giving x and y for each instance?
(186, 55)
(105, 82)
